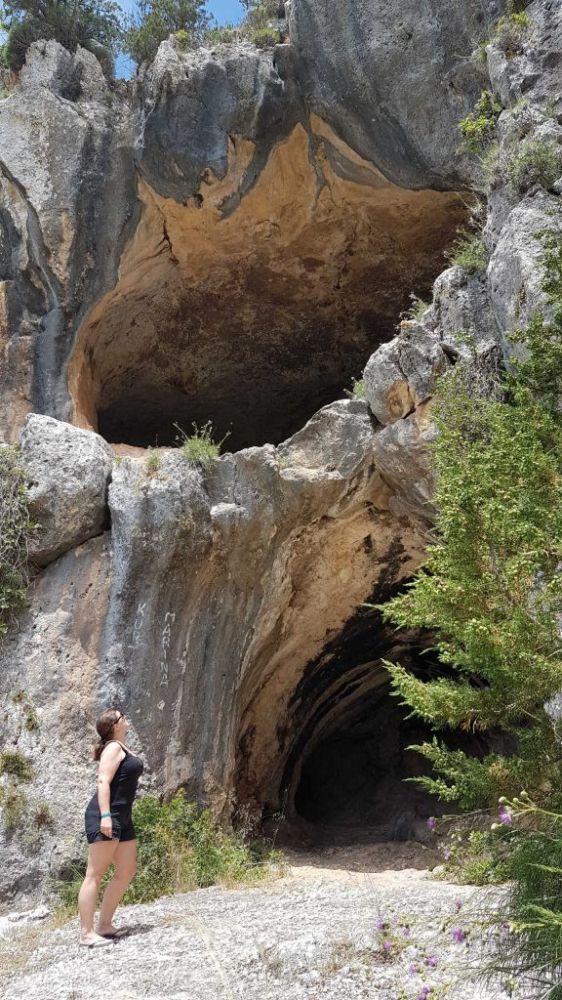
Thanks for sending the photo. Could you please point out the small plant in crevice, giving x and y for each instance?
(478, 129)
(153, 462)
(13, 803)
(42, 817)
(30, 717)
(16, 530)
(470, 252)
(200, 448)
(358, 388)
(537, 161)
(417, 308)
(16, 764)
(510, 33)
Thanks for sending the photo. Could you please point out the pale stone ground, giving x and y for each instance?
(308, 935)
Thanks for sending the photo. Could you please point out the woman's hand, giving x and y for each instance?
(106, 826)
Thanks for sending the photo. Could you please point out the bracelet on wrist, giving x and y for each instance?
(103, 815)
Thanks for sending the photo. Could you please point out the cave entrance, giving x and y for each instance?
(254, 312)
(352, 785)
(332, 767)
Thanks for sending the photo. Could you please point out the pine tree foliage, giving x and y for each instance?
(491, 586)
(93, 24)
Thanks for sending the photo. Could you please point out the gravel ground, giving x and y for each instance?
(310, 935)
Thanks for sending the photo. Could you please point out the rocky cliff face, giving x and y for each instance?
(230, 239)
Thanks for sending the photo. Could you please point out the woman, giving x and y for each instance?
(109, 829)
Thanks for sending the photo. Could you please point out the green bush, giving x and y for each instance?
(510, 33)
(470, 252)
(478, 129)
(15, 763)
(264, 38)
(157, 19)
(181, 848)
(16, 528)
(417, 308)
(476, 857)
(260, 26)
(200, 448)
(491, 589)
(13, 802)
(539, 162)
(93, 24)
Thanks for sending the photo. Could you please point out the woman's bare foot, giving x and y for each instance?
(93, 940)
(111, 931)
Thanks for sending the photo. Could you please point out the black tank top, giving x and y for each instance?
(123, 785)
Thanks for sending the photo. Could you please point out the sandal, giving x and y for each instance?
(100, 942)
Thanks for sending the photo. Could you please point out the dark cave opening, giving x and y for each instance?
(355, 777)
(345, 743)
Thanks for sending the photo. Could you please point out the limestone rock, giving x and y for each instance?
(402, 373)
(68, 471)
(374, 71)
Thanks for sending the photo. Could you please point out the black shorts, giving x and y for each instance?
(121, 827)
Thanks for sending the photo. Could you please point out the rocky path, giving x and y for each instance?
(309, 935)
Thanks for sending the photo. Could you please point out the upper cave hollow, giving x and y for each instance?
(327, 760)
(253, 312)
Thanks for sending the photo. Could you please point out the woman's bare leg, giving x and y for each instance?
(100, 856)
(125, 861)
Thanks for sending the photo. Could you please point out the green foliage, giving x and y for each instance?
(153, 462)
(180, 848)
(157, 19)
(93, 24)
(490, 589)
(478, 129)
(417, 308)
(16, 528)
(539, 161)
(476, 857)
(13, 803)
(15, 763)
(260, 26)
(358, 388)
(31, 719)
(510, 32)
(470, 252)
(200, 447)
(534, 912)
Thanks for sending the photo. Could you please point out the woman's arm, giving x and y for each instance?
(109, 762)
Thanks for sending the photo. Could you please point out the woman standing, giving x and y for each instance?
(109, 829)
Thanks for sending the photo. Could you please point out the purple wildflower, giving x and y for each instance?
(505, 815)
(459, 935)
(431, 823)
(406, 932)
(458, 904)
(380, 925)
(387, 946)
(447, 853)
(431, 960)
(413, 969)
(504, 930)
(425, 991)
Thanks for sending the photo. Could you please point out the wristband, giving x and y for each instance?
(103, 815)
